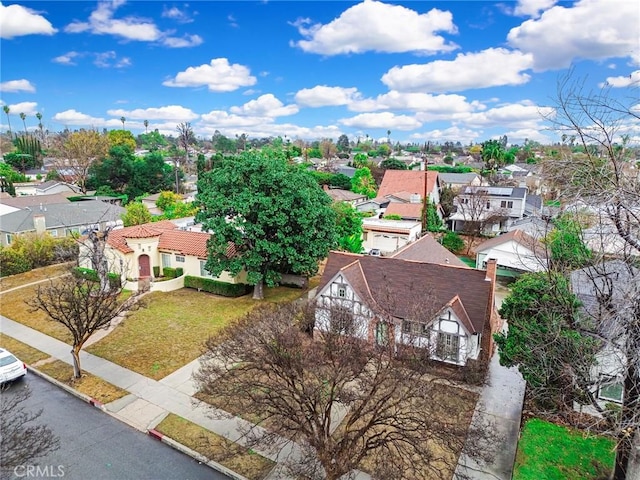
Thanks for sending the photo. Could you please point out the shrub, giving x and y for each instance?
(219, 288)
(170, 272)
(452, 241)
(92, 275)
(13, 262)
(392, 216)
(39, 248)
(156, 271)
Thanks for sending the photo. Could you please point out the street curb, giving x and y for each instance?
(193, 454)
(151, 432)
(85, 398)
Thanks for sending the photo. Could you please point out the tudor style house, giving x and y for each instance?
(447, 309)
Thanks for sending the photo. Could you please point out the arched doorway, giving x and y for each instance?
(144, 267)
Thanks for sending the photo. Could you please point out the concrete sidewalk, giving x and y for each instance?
(150, 400)
(499, 408)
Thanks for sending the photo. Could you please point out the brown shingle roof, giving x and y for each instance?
(428, 250)
(413, 181)
(344, 195)
(401, 280)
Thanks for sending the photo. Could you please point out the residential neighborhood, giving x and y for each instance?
(333, 253)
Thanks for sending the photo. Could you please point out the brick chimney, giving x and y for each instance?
(494, 323)
(325, 187)
(39, 223)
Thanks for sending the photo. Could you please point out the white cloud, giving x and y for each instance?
(28, 108)
(184, 42)
(78, 119)
(386, 120)
(218, 76)
(519, 136)
(226, 120)
(176, 113)
(532, 8)
(589, 29)
(265, 106)
(489, 68)
(516, 115)
(618, 82)
(324, 96)
(67, 58)
(380, 27)
(21, 85)
(101, 22)
(174, 13)
(431, 106)
(16, 21)
(451, 134)
(110, 59)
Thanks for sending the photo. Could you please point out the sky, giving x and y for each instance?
(415, 71)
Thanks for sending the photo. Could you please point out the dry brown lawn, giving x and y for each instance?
(24, 352)
(34, 275)
(13, 305)
(169, 330)
(88, 384)
(231, 455)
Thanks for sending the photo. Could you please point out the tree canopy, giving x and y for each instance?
(274, 214)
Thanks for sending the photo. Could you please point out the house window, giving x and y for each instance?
(342, 292)
(71, 232)
(9, 238)
(506, 204)
(464, 201)
(203, 271)
(53, 233)
(382, 334)
(448, 347)
(166, 260)
(611, 390)
(365, 235)
(180, 258)
(488, 204)
(415, 328)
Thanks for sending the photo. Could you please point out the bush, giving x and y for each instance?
(452, 241)
(13, 262)
(156, 271)
(92, 275)
(171, 272)
(219, 288)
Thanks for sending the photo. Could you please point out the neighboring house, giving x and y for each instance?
(514, 251)
(339, 195)
(47, 188)
(376, 205)
(412, 188)
(346, 170)
(133, 252)
(60, 219)
(605, 292)
(534, 226)
(10, 204)
(384, 295)
(495, 207)
(428, 250)
(388, 235)
(457, 181)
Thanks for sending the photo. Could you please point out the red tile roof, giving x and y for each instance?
(394, 284)
(184, 242)
(413, 181)
(117, 238)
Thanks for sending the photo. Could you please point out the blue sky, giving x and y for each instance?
(440, 71)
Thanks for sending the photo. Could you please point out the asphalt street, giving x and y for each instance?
(94, 445)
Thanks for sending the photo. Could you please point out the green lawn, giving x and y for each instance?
(550, 452)
(170, 329)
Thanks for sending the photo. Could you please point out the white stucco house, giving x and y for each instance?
(515, 250)
(388, 235)
(382, 298)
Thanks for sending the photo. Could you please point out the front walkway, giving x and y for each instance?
(499, 408)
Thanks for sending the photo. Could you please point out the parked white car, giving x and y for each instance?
(10, 367)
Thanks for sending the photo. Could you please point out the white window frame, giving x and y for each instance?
(606, 381)
(180, 258)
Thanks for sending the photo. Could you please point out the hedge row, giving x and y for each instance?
(219, 288)
(89, 274)
(171, 272)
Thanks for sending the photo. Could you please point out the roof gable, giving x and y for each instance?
(427, 249)
(517, 236)
(413, 181)
(394, 284)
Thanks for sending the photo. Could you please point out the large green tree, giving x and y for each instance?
(349, 227)
(274, 215)
(363, 182)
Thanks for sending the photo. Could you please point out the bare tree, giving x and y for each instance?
(347, 403)
(473, 204)
(186, 138)
(82, 303)
(21, 440)
(79, 152)
(601, 177)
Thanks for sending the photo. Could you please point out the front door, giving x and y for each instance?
(144, 266)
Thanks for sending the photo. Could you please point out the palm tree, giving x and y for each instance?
(388, 136)
(6, 111)
(39, 117)
(23, 117)
(122, 119)
(146, 126)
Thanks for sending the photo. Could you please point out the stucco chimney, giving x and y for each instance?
(39, 223)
